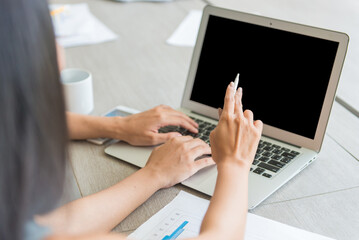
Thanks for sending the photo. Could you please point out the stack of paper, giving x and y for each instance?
(182, 219)
(186, 33)
(75, 25)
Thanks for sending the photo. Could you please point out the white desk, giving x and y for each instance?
(324, 198)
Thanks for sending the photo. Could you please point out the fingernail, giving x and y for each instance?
(232, 84)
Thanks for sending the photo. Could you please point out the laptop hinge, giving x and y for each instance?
(203, 115)
(283, 142)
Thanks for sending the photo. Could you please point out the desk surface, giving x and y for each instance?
(322, 199)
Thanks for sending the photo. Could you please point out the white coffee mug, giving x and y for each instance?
(78, 93)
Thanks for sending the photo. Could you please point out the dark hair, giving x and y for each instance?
(33, 132)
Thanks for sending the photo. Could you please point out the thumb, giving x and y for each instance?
(164, 137)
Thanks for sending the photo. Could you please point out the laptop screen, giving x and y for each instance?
(284, 75)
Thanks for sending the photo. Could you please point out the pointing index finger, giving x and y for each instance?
(238, 109)
(228, 107)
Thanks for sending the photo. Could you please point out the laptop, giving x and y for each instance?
(289, 74)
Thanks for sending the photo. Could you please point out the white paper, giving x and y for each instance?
(186, 33)
(144, 0)
(76, 26)
(184, 214)
(185, 207)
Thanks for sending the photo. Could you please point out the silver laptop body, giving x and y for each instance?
(289, 75)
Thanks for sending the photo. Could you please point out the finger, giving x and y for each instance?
(189, 120)
(196, 142)
(173, 114)
(164, 137)
(258, 124)
(178, 121)
(201, 147)
(238, 108)
(249, 115)
(228, 107)
(184, 116)
(202, 163)
(220, 112)
(184, 138)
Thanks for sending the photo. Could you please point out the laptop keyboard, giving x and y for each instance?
(271, 158)
(268, 161)
(204, 129)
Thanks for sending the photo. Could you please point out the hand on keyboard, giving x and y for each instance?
(177, 159)
(142, 129)
(204, 129)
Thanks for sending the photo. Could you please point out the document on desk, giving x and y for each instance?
(143, 0)
(182, 219)
(75, 25)
(186, 33)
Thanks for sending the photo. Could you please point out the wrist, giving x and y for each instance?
(116, 128)
(230, 165)
(154, 177)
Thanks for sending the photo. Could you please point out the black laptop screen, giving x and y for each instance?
(284, 75)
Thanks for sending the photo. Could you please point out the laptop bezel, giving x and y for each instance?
(270, 131)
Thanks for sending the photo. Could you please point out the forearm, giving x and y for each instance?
(84, 126)
(100, 212)
(227, 212)
(107, 236)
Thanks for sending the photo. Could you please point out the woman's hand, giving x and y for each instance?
(236, 137)
(142, 128)
(174, 161)
(168, 164)
(234, 143)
